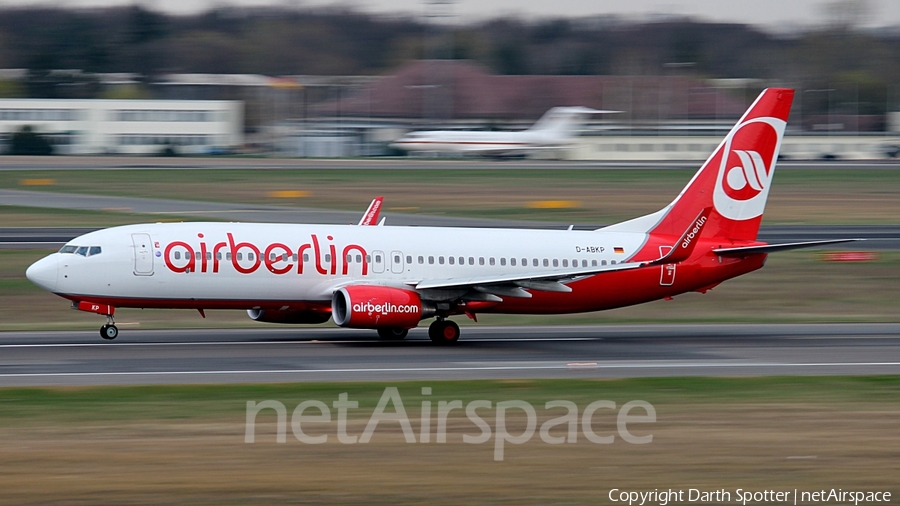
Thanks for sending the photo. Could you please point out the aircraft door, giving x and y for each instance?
(143, 254)
(378, 262)
(397, 262)
(667, 271)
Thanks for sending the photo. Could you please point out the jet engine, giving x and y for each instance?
(287, 316)
(376, 307)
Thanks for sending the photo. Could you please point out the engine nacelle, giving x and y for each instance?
(375, 307)
(287, 316)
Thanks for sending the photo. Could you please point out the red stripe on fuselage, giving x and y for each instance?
(603, 291)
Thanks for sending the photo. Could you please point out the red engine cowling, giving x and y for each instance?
(288, 316)
(375, 307)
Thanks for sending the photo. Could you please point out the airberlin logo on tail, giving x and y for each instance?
(746, 168)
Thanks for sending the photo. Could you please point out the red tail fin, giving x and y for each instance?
(736, 178)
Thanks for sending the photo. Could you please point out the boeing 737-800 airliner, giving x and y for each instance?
(391, 278)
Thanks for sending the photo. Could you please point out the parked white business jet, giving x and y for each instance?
(390, 278)
(554, 130)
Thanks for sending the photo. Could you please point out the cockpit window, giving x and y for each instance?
(82, 250)
(95, 250)
(68, 249)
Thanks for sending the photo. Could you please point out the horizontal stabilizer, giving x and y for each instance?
(772, 248)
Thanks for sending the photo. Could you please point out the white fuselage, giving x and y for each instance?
(455, 141)
(311, 261)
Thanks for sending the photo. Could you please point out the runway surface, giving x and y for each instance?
(156, 163)
(327, 354)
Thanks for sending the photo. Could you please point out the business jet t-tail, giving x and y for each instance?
(555, 130)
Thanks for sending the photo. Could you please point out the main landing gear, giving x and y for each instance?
(443, 331)
(109, 331)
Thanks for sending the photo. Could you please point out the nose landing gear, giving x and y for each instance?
(109, 331)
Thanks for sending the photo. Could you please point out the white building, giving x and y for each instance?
(676, 148)
(127, 126)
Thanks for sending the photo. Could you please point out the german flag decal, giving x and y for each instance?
(619, 250)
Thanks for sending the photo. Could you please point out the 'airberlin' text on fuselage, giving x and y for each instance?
(278, 258)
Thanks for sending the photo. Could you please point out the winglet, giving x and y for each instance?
(370, 217)
(685, 246)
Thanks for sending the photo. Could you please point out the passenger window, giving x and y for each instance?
(430, 260)
(451, 260)
(503, 261)
(593, 263)
(368, 258)
(535, 262)
(613, 262)
(95, 250)
(555, 263)
(209, 255)
(397, 259)
(228, 256)
(251, 257)
(68, 249)
(240, 256)
(377, 258)
(421, 260)
(512, 261)
(524, 262)
(584, 263)
(546, 263)
(177, 255)
(480, 260)
(462, 261)
(327, 257)
(603, 262)
(471, 260)
(492, 261)
(408, 259)
(565, 263)
(197, 255)
(441, 260)
(349, 259)
(218, 256)
(271, 257)
(358, 258)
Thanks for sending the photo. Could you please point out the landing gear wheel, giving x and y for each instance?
(392, 334)
(109, 332)
(444, 332)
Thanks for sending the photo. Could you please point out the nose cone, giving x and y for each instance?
(44, 272)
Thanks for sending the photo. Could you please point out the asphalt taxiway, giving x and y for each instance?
(19, 163)
(270, 354)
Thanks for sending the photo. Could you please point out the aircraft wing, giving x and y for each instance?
(370, 217)
(514, 284)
